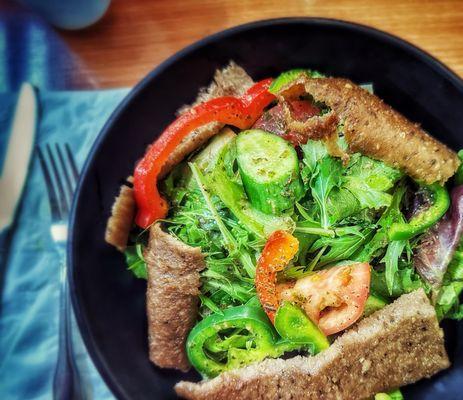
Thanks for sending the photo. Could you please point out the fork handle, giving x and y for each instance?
(66, 381)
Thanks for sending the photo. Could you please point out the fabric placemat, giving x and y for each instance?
(29, 262)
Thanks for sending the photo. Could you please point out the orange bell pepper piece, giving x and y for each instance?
(279, 250)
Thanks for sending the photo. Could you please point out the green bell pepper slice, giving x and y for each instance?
(424, 220)
(459, 173)
(287, 77)
(239, 336)
(292, 324)
(394, 395)
(373, 304)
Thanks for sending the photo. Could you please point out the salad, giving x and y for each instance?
(305, 207)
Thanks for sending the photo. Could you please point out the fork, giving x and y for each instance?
(60, 174)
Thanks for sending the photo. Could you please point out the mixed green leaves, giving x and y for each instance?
(369, 181)
(342, 192)
(342, 213)
(326, 176)
(135, 260)
(447, 303)
(347, 211)
(345, 214)
(206, 223)
(202, 218)
(321, 173)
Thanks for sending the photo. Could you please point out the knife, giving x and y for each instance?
(16, 163)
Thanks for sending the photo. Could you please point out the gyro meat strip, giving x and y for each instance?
(171, 297)
(373, 128)
(121, 220)
(398, 345)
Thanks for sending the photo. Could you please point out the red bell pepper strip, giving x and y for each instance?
(241, 112)
(279, 250)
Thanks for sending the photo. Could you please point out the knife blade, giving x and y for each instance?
(19, 150)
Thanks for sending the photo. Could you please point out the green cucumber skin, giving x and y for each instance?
(273, 198)
(277, 195)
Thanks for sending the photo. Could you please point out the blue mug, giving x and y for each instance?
(69, 14)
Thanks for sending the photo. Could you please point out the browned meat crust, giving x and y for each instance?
(373, 128)
(316, 128)
(120, 222)
(397, 345)
(171, 297)
(230, 81)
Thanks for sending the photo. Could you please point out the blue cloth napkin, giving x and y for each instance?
(29, 274)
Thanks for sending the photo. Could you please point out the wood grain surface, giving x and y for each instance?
(136, 35)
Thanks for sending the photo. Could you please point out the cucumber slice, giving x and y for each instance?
(207, 159)
(373, 304)
(293, 325)
(269, 169)
(210, 161)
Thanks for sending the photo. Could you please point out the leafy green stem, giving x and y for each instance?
(229, 240)
(315, 231)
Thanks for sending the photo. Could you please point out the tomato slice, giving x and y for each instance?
(333, 298)
(273, 120)
(303, 109)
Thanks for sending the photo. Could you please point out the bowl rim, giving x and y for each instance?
(82, 322)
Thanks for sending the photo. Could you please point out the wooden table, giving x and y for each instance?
(136, 35)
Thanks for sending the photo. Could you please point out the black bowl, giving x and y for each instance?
(109, 302)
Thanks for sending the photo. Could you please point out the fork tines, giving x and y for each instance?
(61, 176)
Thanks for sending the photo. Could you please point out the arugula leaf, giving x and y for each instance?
(207, 302)
(216, 279)
(366, 196)
(305, 243)
(314, 151)
(448, 304)
(342, 247)
(327, 176)
(398, 275)
(313, 228)
(369, 180)
(340, 193)
(406, 281)
(299, 271)
(229, 241)
(225, 282)
(309, 226)
(342, 204)
(380, 240)
(135, 261)
(378, 175)
(391, 259)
